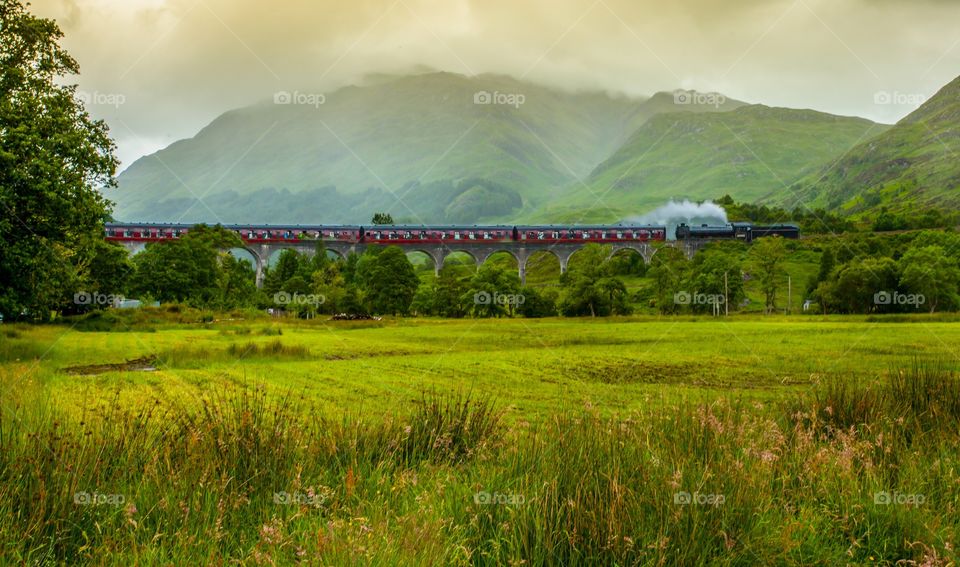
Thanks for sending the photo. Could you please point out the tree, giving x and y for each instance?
(716, 273)
(854, 287)
(388, 279)
(929, 272)
(328, 283)
(614, 292)
(449, 294)
(196, 269)
(887, 221)
(53, 158)
(184, 270)
(424, 301)
(537, 303)
(287, 266)
(668, 271)
(827, 263)
(236, 283)
(767, 257)
(590, 286)
(493, 292)
(382, 218)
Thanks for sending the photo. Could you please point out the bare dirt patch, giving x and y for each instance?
(143, 364)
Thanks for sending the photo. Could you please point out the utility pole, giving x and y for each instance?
(789, 296)
(726, 296)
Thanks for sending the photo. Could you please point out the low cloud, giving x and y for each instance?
(181, 63)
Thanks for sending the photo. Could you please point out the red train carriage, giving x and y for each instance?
(436, 234)
(401, 234)
(602, 234)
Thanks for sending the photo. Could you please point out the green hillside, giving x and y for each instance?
(914, 165)
(416, 146)
(746, 153)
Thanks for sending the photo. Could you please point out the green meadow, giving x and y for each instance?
(179, 437)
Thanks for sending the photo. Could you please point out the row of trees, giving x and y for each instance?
(716, 276)
(822, 221)
(866, 275)
(916, 272)
(383, 281)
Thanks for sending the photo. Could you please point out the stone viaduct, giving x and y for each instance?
(479, 251)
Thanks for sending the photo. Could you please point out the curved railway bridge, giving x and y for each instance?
(438, 243)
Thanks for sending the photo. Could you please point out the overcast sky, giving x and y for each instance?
(159, 70)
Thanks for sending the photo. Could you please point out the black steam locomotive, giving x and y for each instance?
(736, 230)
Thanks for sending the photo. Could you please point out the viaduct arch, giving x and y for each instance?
(521, 251)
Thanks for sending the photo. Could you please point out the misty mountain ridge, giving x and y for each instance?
(437, 147)
(915, 165)
(442, 147)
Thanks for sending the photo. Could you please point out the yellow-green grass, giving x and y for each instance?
(800, 424)
(531, 367)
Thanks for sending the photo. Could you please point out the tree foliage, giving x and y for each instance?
(767, 257)
(53, 159)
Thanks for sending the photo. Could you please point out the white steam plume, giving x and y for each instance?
(674, 213)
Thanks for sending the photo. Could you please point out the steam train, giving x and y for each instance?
(420, 234)
(403, 234)
(736, 230)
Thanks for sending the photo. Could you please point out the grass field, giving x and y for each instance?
(623, 441)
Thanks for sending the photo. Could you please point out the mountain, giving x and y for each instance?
(746, 153)
(436, 147)
(913, 165)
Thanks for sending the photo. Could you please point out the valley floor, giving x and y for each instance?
(558, 441)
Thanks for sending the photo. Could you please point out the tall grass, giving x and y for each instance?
(245, 477)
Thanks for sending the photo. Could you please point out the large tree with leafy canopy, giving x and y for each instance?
(53, 160)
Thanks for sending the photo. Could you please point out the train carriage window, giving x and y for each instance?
(619, 235)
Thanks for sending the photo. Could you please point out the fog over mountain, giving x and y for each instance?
(160, 70)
